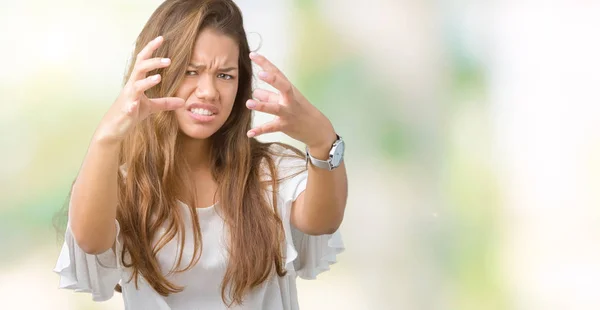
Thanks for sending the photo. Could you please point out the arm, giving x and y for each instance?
(320, 208)
(93, 205)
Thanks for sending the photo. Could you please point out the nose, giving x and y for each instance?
(206, 88)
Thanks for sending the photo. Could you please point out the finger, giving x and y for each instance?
(139, 87)
(265, 95)
(278, 81)
(272, 75)
(263, 62)
(166, 104)
(272, 126)
(143, 67)
(147, 51)
(266, 107)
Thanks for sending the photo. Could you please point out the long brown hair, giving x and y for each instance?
(147, 196)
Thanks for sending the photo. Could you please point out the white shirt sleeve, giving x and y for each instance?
(306, 255)
(82, 272)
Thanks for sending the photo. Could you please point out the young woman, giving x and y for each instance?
(177, 205)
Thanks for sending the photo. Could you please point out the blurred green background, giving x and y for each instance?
(472, 129)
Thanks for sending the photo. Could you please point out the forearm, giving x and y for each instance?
(93, 202)
(324, 201)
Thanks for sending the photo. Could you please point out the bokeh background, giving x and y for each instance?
(473, 133)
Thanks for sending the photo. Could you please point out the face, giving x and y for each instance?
(209, 86)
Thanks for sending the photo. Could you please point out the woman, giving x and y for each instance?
(177, 204)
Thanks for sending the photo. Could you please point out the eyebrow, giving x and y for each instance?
(228, 69)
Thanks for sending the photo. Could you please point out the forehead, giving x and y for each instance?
(214, 48)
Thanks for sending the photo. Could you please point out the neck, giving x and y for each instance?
(196, 152)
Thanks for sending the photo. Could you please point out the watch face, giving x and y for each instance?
(338, 154)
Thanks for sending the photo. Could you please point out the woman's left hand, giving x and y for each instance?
(294, 115)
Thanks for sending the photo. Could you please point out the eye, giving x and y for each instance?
(190, 73)
(225, 76)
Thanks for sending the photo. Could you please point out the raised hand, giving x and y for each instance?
(132, 106)
(295, 116)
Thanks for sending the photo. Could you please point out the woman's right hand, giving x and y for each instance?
(132, 106)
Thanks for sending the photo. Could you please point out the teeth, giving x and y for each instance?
(202, 112)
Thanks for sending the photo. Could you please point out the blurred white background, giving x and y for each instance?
(473, 132)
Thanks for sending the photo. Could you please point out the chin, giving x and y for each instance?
(198, 132)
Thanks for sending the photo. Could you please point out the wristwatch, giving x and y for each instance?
(336, 156)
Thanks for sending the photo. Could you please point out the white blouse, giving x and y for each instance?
(305, 256)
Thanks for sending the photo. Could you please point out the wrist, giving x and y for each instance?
(112, 131)
(104, 138)
(321, 149)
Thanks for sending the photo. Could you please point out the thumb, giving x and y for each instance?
(165, 104)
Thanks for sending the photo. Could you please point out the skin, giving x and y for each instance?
(94, 195)
(211, 78)
(318, 210)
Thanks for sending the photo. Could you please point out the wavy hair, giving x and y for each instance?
(156, 175)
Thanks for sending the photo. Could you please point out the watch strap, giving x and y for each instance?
(323, 164)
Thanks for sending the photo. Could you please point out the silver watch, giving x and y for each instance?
(336, 156)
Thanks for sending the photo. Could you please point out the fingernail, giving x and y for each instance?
(165, 60)
(155, 77)
(251, 104)
(158, 39)
(253, 54)
(263, 74)
(251, 134)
